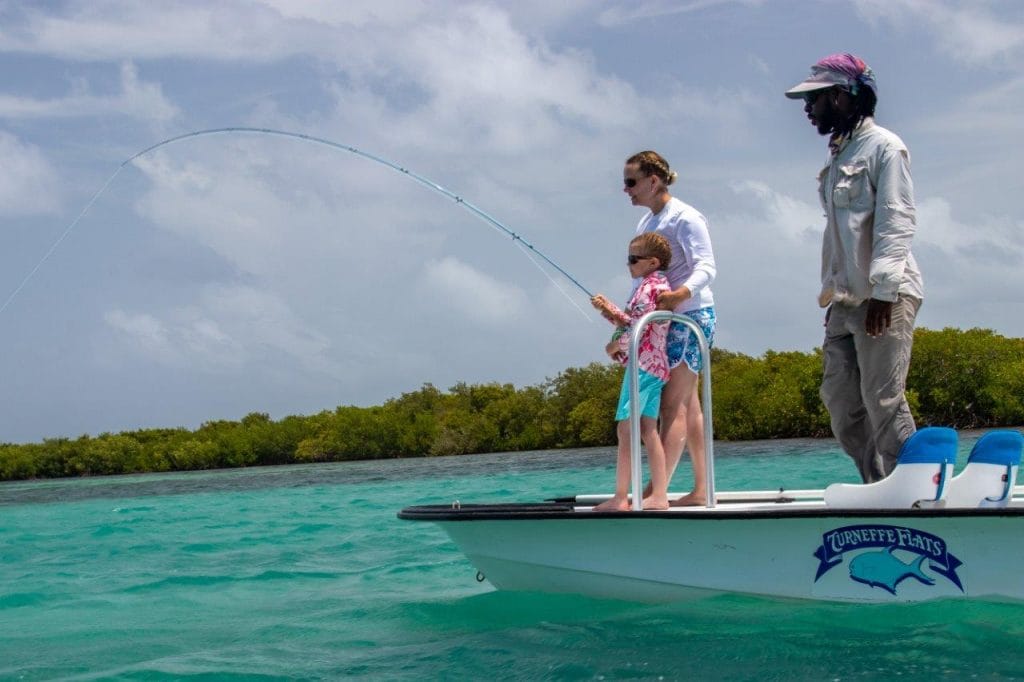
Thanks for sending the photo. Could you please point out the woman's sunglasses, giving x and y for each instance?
(629, 182)
(633, 260)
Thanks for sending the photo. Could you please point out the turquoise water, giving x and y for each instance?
(304, 572)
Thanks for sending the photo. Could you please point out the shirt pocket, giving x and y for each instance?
(852, 186)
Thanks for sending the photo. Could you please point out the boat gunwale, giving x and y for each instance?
(565, 512)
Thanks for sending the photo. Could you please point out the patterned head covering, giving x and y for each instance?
(845, 70)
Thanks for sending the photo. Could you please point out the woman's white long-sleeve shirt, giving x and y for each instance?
(693, 261)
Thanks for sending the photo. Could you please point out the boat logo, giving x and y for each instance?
(881, 568)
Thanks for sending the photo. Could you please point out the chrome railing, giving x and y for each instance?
(634, 401)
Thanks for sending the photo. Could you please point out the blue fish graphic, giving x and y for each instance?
(882, 569)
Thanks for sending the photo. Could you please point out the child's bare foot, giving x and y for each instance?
(656, 503)
(614, 504)
(691, 499)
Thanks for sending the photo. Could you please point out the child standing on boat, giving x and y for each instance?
(649, 254)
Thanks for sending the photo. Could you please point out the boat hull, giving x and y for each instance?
(820, 554)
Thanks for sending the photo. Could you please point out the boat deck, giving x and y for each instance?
(730, 505)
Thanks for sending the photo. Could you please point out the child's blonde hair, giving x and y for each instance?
(653, 244)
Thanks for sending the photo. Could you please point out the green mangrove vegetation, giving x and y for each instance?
(964, 379)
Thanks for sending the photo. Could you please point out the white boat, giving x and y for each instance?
(919, 534)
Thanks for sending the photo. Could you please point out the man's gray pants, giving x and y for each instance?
(864, 384)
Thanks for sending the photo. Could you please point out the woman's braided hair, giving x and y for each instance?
(653, 163)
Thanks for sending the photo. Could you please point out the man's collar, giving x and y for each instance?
(866, 124)
(837, 142)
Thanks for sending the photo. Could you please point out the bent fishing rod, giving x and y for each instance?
(527, 247)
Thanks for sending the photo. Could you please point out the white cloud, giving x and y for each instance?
(250, 30)
(137, 99)
(293, 214)
(463, 291)
(149, 335)
(456, 72)
(970, 31)
(28, 182)
(185, 338)
(760, 65)
(227, 207)
(986, 243)
(989, 113)
(118, 30)
(360, 14)
(971, 268)
(768, 249)
(469, 67)
(481, 77)
(229, 327)
(655, 9)
(789, 217)
(257, 318)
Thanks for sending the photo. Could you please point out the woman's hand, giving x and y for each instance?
(670, 300)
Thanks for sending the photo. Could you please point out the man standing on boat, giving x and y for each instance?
(870, 283)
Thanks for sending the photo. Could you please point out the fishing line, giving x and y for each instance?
(555, 281)
(60, 239)
(529, 249)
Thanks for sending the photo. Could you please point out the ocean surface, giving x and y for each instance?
(304, 572)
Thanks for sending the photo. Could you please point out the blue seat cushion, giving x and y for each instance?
(930, 445)
(998, 447)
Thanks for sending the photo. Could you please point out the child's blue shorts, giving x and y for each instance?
(650, 396)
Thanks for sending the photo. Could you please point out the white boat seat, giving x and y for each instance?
(920, 477)
(991, 471)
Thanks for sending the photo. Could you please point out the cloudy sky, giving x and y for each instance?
(231, 273)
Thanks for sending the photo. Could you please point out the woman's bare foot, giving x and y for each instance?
(656, 503)
(614, 504)
(691, 499)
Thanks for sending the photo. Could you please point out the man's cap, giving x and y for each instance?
(844, 70)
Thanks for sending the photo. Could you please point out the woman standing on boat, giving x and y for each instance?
(646, 179)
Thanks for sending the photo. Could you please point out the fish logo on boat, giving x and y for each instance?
(882, 568)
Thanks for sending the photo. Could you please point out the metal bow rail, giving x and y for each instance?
(634, 401)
